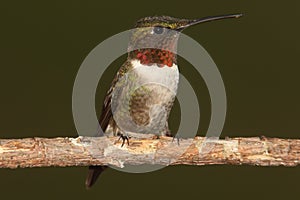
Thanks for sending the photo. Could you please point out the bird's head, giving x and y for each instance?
(154, 39)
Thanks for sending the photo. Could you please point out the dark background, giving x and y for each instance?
(43, 43)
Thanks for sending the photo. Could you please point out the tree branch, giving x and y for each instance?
(85, 151)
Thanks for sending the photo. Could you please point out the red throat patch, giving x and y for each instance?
(155, 56)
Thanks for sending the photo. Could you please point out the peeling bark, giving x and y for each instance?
(85, 151)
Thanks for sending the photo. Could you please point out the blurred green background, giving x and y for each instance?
(43, 43)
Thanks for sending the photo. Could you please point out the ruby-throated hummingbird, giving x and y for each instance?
(144, 89)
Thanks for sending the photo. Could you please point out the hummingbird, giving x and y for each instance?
(144, 89)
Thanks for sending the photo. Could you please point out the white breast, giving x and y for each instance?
(166, 76)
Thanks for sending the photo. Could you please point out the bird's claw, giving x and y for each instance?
(124, 138)
(177, 138)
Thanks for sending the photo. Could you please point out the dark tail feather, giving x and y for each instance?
(93, 174)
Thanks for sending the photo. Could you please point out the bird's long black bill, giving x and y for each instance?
(209, 19)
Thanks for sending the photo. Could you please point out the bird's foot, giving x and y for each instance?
(177, 137)
(124, 138)
(169, 134)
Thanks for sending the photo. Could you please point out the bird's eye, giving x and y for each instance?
(158, 30)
